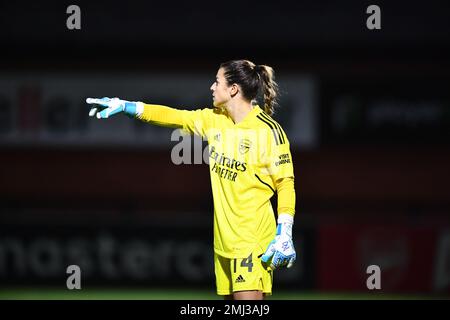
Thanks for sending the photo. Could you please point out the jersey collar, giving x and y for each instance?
(250, 116)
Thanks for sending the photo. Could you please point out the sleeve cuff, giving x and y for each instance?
(139, 108)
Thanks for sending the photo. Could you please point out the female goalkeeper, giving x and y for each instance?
(250, 161)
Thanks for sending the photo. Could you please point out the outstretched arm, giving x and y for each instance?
(194, 122)
(161, 115)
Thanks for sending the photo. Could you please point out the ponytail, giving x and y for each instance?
(269, 88)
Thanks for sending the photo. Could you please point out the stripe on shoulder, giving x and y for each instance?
(272, 128)
(280, 131)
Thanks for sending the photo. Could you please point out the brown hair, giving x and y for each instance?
(252, 79)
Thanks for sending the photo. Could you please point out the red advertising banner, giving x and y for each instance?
(411, 258)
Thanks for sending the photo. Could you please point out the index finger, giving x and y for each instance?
(103, 101)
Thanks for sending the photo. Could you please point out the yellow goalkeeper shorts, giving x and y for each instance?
(245, 274)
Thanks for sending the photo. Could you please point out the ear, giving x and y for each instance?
(234, 89)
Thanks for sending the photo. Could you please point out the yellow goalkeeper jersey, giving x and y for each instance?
(245, 160)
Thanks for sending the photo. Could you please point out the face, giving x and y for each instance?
(221, 92)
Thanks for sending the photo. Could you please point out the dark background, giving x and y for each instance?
(372, 182)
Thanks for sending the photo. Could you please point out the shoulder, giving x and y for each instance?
(267, 123)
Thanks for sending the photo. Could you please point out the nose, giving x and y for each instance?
(212, 87)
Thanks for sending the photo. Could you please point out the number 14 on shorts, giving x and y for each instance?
(241, 269)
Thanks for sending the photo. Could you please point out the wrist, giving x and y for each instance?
(139, 108)
(133, 108)
(285, 222)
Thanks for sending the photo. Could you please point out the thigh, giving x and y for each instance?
(248, 295)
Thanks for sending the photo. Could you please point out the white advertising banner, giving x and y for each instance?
(50, 109)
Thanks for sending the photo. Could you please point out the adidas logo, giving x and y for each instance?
(239, 279)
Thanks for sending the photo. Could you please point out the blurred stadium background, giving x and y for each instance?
(367, 113)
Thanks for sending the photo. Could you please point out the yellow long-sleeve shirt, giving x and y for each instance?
(249, 162)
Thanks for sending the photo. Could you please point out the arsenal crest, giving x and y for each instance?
(244, 146)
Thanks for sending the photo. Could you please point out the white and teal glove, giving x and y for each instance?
(105, 107)
(280, 251)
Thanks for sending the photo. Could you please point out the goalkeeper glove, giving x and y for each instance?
(105, 107)
(281, 250)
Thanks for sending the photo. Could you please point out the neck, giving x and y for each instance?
(238, 110)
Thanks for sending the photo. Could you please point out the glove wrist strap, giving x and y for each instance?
(286, 221)
(285, 218)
